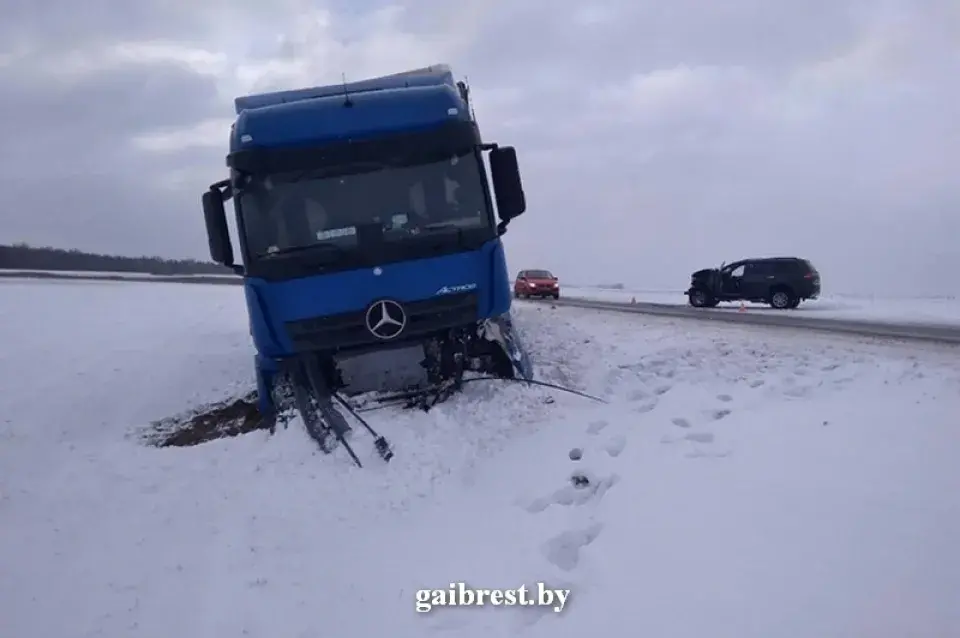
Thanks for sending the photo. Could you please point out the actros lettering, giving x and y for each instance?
(449, 290)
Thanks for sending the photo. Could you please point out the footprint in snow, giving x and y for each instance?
(700, 454)
(700, 437)
(582, 489)
(680, 422)
(616, 445)
(646, 407)
(796, 391)
(716, 415)
(726, 398)
(563, 550)
(756, 383)
(596, 427)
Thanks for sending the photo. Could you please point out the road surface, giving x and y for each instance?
(939, 333)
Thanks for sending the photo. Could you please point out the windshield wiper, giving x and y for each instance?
(334, 248)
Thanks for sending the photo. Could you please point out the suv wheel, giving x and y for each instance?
(781, 299)
(699, 298)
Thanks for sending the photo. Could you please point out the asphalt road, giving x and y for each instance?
(947, 334)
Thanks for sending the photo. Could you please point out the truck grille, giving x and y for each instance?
(348, 330)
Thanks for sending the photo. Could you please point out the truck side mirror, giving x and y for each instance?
(507, 185)
(218, 235)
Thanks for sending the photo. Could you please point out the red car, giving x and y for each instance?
(536, 283)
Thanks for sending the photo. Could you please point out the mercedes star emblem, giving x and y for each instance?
(386, 319)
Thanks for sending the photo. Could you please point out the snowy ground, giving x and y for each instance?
(98, 273)
(882, 309)
(744, 484)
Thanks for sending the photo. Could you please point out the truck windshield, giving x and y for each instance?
(320, 209)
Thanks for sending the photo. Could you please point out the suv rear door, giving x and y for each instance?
(757, 279)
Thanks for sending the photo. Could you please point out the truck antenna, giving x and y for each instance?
(346, 93)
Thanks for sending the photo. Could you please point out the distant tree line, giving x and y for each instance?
(25, 257)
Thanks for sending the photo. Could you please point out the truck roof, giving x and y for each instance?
(435, 75)
(327, 119)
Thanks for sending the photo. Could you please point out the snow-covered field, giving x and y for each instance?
(744, 483)
(97, 273)
(881, 309)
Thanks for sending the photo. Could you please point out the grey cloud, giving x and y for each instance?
(671, 135)
(543, 42)
(99, 113)
(58, 25)
(70, 173)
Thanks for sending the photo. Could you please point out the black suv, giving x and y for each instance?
(782, 282)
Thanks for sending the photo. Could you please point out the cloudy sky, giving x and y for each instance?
(654, 137)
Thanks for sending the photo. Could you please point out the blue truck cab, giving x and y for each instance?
(366, 221)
